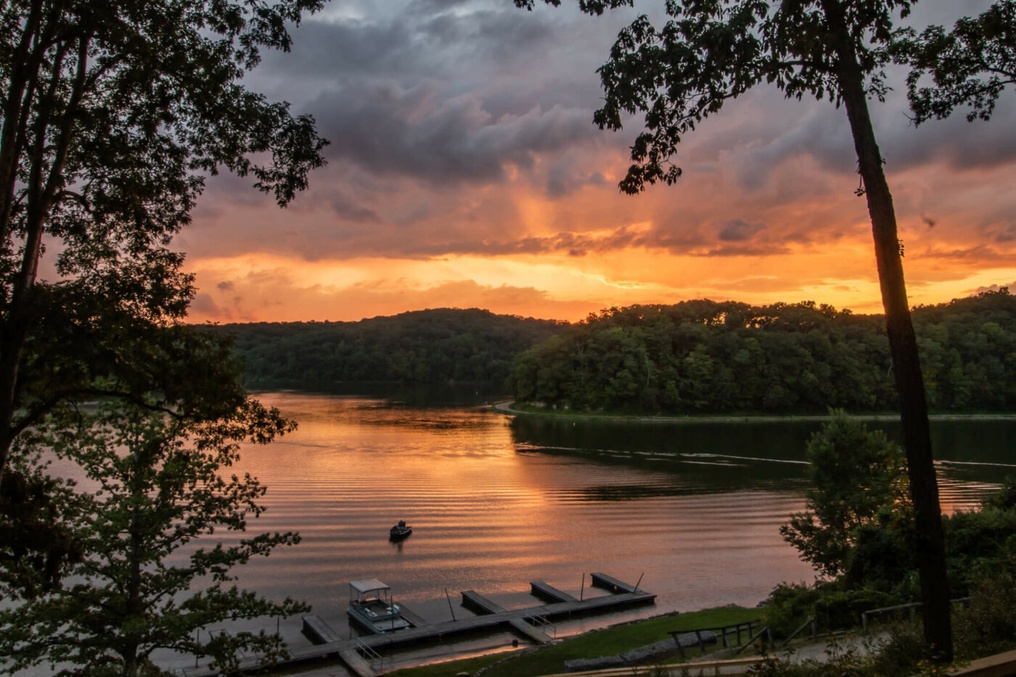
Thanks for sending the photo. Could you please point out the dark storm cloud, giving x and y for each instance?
(958, 143)
(762, 249)
(995, 287)
(572, 244)
(445, 90)
(455, 95)
(568, 243)
(414, 132)
(428, 41)
(692, 242)
(563, 179)
(471, 57)
(349, 210)
(740, 231)
(974, 253)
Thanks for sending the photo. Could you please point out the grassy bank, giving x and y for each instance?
(606, 642)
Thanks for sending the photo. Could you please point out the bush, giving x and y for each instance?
(977, 541)
(901, 653)
(788, 605)
(987, 624)
(842, 609)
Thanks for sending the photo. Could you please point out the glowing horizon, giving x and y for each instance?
(465, 171)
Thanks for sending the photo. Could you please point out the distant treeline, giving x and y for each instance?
(430, 346)
(705, 357)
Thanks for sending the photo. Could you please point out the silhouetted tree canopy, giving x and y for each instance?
(152, 565)
(967, 67)
(113, 115)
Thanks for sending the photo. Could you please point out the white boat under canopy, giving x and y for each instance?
(370, 605)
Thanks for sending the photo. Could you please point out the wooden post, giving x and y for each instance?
(680, 647)
(448, 597)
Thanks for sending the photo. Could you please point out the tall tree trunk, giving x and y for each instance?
(902, 347)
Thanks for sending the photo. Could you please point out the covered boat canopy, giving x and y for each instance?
(362, 587)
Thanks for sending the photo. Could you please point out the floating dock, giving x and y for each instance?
(550, 593)
(356, 653)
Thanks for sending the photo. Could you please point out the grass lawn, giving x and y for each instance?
(606, 642)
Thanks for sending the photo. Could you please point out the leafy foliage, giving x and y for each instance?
(969, 66)
(35, 544)
(430, 346)
(988, 621)
(719, 357)
(859, 492)
(140, 584)
(113, 115)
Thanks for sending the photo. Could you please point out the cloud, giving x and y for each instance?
(412, 132)
(463, 129)
(739, 231)
(263, 292)
(349, 209)
(995, 287)
(411, 41)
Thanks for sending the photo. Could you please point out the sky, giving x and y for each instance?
(465, 171)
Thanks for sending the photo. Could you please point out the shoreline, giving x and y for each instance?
(507, 409)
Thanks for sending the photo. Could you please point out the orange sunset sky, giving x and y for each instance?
(464, 171)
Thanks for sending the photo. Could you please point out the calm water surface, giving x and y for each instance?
(691, 511)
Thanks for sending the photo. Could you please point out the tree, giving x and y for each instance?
(113, 115)
(858, 480)
(710, 52)
(140, 584)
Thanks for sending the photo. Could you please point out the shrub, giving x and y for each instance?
(842, 609)
(788, 605)
(988, 622)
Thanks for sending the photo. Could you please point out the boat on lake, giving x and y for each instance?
(371, 607)
(400, 531)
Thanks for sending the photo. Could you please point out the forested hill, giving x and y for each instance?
(710, 357)
(428, 346)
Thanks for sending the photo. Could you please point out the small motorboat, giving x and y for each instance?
(400, 531)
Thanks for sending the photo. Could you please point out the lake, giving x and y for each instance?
(691, 511)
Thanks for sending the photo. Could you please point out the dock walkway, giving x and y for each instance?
(318, 631)
(612, 584)
(550, 593)
(492, 617)
(416, 620)
(474, 601)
